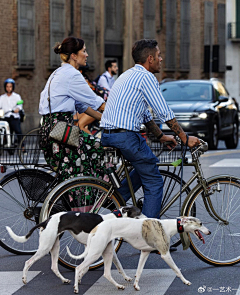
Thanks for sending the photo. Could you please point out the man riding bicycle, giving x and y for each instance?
(127, 108)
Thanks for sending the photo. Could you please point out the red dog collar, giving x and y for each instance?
(179, 226)
(117, 213)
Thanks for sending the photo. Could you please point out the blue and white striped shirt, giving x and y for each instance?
(129, 100)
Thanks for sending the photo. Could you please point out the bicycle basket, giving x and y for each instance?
(161, 151)
(19, 150)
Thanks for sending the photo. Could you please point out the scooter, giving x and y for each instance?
(6, 138)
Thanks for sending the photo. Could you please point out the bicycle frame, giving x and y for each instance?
(198, 175)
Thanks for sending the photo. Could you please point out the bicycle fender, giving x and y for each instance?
(79, 179)
(198, 186)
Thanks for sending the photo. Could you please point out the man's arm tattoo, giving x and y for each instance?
(153, 127)
(174, 126)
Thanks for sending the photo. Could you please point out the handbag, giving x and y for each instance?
(63, 132)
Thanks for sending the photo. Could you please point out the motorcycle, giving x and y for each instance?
(6, 138)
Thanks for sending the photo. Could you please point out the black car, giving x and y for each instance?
(204, 109)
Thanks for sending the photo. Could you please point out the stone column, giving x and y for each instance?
(128, 35)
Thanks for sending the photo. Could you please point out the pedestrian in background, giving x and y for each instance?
(8, 102)
(107, 80)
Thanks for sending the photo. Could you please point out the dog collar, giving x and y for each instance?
(179, 226)
(117, 213)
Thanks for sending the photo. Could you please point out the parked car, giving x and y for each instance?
(204, 109)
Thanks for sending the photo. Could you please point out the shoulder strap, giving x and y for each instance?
(50, 112)
(106, 77)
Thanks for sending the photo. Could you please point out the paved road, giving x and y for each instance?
(157, 278)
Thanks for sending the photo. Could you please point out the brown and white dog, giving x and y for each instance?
(144, 234)
(79, 225)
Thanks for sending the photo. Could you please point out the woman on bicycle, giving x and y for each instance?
(69, 92)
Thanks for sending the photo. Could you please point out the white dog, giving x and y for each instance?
(79, 225)
(145, 234)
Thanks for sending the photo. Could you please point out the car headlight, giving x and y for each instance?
(202, 115)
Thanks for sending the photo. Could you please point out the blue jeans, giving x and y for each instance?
(146, 173)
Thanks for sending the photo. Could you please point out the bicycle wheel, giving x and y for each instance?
(170, 188)
(221, 248)
(20, 192)
(64, 201)
(29, 147)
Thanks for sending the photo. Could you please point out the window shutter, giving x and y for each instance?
(171, 35)
(149, 19)
(221, 37)
(185, 34)
(114, 21)
(208, 23)
(26, 26)
(88, 29)
(57, 28)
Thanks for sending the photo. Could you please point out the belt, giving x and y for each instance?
(119, 130)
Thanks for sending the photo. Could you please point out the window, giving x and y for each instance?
(88, 29)
(57, 28)
(209, 37)
(185, 34)
(171, 35)
(208, 23)
(26, 26)
(221, 37)
(113, 22)
(149, 19)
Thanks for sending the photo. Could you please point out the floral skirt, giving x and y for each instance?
(86, 160)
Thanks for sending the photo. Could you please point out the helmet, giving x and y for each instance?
(9, 80)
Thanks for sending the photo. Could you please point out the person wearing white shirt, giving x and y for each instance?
(69, 92)
(107, 80)
(8, 102)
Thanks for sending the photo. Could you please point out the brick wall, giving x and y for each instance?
(29, 83)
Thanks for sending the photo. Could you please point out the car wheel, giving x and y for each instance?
(213, 139)
(231, 141)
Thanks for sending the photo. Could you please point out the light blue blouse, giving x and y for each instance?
(68, 92)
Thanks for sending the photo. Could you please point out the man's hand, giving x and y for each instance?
(175, 127)
(193, 141)
(169, 138)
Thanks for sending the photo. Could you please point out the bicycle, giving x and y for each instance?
(105, 198)
(26, 189)
(211, 200)
(27, 143)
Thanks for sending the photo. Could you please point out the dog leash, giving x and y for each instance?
(184, 151)
(183, 236)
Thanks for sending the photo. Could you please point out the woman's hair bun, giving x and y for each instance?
(57, 48)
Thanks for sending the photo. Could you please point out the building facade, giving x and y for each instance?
(233, 48)
(189, 32)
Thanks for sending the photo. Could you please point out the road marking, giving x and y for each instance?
(152, 281)
(227, 163)
(11, 281)
(219, 153)
(238, 291)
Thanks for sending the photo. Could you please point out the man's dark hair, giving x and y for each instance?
(142, 49)
(109, 62)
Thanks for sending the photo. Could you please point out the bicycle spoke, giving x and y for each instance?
(222, 246)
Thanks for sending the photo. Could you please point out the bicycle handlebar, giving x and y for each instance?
(202, 147)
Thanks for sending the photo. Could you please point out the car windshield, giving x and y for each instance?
(186, 91)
